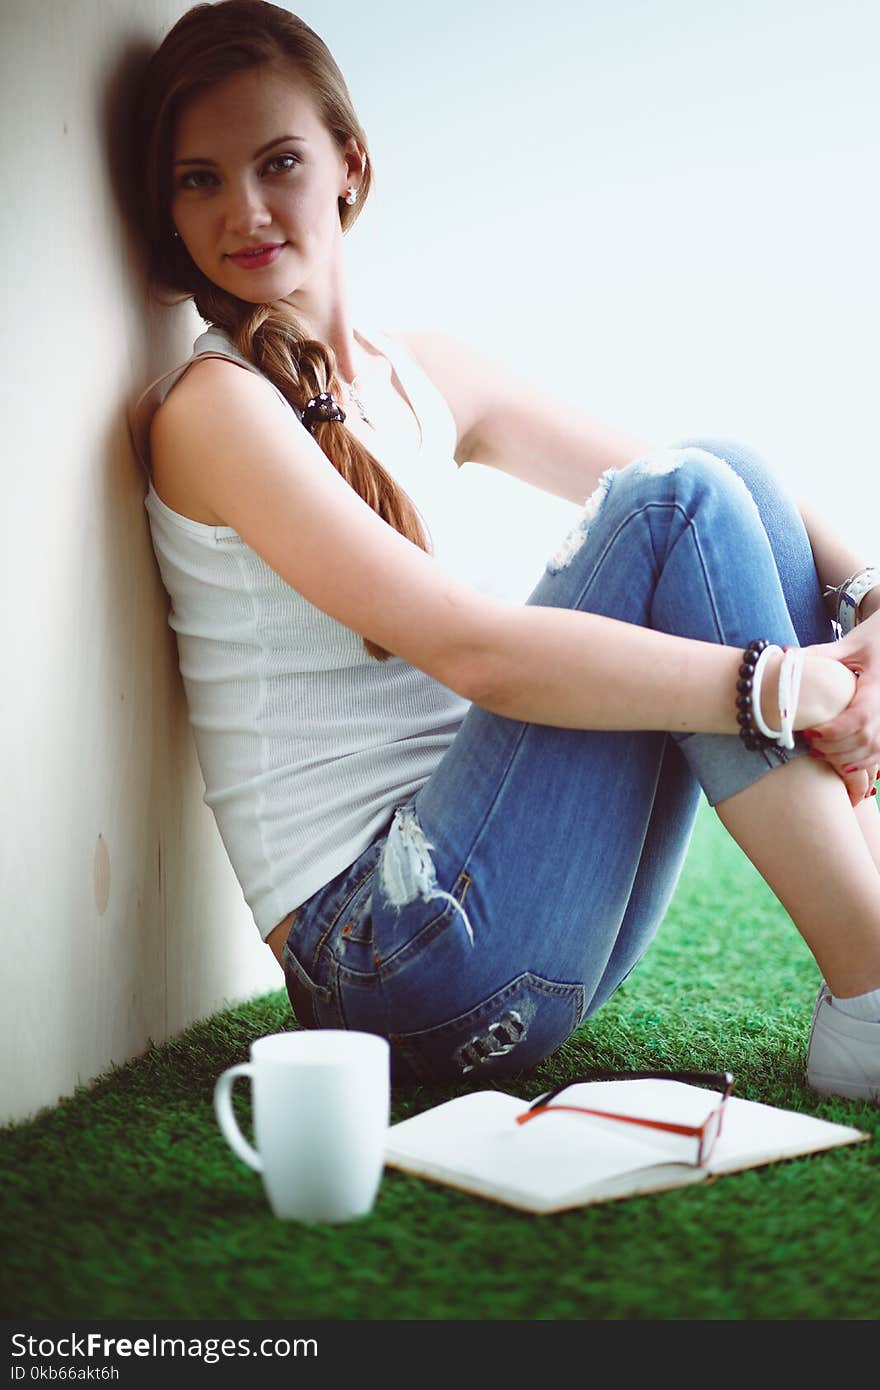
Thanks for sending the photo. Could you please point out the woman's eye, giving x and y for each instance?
(278, 164)
(185, 179)
(279, 160)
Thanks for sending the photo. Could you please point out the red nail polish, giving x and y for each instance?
(851, 768)
(814, 753)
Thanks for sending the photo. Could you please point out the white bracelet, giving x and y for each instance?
(757, 680)
(790, 674)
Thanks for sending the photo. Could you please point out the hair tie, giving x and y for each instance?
(320, 409)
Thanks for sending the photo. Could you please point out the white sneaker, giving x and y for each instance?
(843, 1058)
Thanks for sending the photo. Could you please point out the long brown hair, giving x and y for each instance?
(207, 44)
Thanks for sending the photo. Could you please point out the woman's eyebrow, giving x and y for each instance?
(279, 139)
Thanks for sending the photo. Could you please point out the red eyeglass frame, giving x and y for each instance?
(715, 1080)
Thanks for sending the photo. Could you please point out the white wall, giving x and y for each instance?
(664, 209)
(121, 918)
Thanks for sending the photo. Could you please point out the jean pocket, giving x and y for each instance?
(514, 1028)
(312, 1003)
(336, 916)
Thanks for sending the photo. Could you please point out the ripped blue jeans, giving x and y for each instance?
(507, 901)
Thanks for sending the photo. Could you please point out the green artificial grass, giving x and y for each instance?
(125, 1202)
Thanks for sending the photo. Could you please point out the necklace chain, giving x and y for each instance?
(351, 388)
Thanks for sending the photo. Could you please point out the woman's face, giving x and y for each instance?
(254, 166)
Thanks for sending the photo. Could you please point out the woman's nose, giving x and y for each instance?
(246, 211)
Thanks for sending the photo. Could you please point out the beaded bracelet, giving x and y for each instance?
(753, 730)
(744, 699)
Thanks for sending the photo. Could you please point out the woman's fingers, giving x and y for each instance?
(854, 759)
(871, 788)
(850, 743)
(859, 749)
(854, 735)
(860, 782)
(862, 747)
(856, 752)
(857, 787)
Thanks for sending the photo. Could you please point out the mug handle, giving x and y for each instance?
(226, 1119)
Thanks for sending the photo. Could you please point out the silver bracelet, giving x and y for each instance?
(848, 595)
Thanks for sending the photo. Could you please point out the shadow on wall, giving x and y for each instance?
(139, 637)
(119, 92)
(164, 337)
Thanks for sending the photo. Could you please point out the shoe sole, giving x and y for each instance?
(851, 1090)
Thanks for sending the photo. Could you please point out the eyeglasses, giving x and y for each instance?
(706, 1134)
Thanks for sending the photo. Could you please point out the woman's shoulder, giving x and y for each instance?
(211, 377)
(199, 376)
(214, 366)
(176, 471)
(195, 377)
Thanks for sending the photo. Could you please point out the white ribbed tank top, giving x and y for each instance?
(306, 743)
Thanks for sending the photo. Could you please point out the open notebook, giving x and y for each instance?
(561, 1160)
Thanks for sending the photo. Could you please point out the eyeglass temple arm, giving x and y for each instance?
(691, 1131)
(722, 1080)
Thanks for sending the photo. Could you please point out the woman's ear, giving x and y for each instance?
(355, 162)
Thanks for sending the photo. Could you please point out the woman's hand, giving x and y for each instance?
(850, 742)
(828, 687)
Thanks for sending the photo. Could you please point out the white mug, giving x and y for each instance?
(321, 1101)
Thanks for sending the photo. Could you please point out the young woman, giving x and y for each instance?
(458, 822)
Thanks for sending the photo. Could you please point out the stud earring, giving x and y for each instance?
(351, 196)
(177, 234)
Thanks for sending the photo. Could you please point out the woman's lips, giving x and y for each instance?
(252, 260)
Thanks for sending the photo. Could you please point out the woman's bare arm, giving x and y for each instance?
(505, 423)
(264, 475)
(835, 560)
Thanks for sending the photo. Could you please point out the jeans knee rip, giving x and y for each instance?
(668, 460)
(579, 532)
(406, 869)
(657, 464)
(660, 462)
